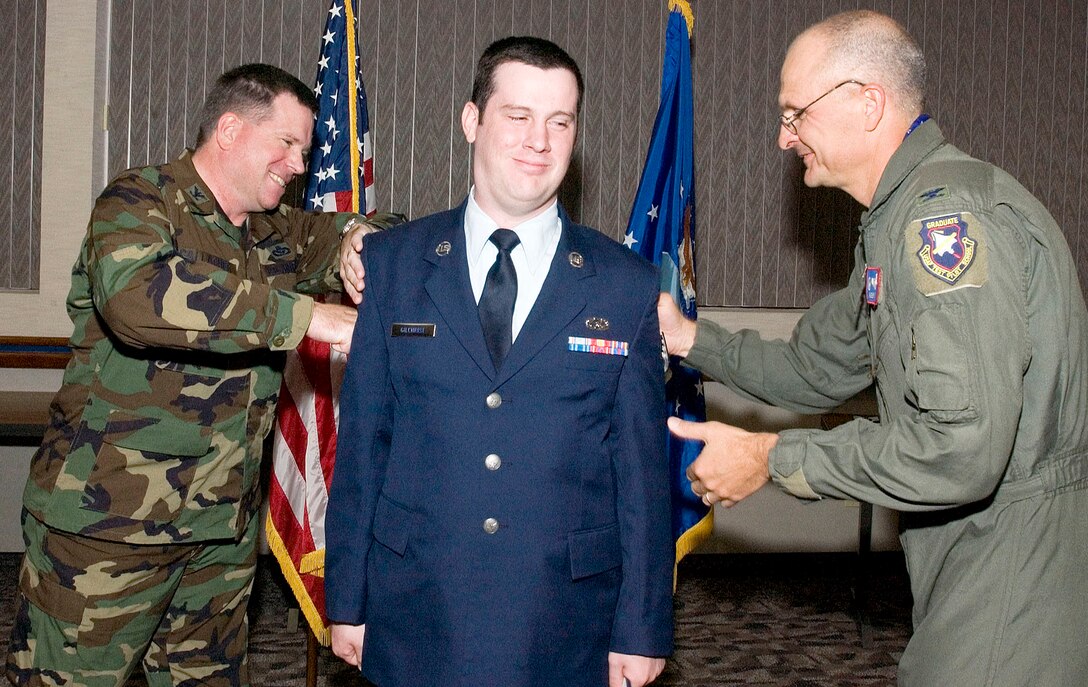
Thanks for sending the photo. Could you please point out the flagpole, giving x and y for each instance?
(353, 119)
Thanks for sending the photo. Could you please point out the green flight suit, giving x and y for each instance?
(965, 309)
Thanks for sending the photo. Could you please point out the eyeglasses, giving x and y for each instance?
(790, 122)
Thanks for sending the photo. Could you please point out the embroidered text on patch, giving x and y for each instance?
(586, 345)
(947, 251)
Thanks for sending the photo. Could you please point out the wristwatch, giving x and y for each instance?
(349, 225)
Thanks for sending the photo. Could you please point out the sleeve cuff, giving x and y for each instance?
(786, 463)
(707, 349)
(292, 321)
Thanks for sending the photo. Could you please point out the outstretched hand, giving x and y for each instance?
(733, 463)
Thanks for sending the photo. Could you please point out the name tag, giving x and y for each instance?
(411, 329)
(603, 346)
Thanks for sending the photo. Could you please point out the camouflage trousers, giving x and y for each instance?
(90, 610)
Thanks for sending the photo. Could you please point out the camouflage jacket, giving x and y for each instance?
(180, 323)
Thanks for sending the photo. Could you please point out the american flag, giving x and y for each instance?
(304, 445)
(662, 230)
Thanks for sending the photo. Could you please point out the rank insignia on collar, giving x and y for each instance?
(197, 193)
(947, 251)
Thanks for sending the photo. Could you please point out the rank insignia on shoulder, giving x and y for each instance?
(425, 329)
(933, 194)
(604, 346)
(949, 251)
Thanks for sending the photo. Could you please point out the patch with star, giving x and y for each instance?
(949, 253)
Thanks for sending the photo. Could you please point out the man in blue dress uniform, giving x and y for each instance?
(499, 513)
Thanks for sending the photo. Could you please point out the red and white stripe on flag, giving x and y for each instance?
(304, 453)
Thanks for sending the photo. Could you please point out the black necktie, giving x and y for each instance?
(496, 306)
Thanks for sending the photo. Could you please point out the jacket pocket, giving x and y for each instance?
(392, 525)
(594, 551)
(144, 467)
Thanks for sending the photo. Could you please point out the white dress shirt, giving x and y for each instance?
(532, 257)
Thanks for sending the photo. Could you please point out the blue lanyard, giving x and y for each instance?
(917, 123)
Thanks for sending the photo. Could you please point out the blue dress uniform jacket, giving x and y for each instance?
(501, 528)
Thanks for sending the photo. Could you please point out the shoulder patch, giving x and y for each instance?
(949, 253)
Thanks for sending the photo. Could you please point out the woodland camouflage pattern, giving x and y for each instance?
(130, 608)
(180, 322)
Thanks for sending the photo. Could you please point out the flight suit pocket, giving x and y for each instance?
(942, 365)
(594, 551)
(392, 525)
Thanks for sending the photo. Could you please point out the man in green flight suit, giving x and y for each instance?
(140, 510)
(965, 310)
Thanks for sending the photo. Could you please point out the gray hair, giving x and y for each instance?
(870, 46)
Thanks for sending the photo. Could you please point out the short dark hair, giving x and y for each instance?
(530, 50)
(249, 90)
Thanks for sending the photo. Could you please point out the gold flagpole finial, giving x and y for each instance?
(685, 8)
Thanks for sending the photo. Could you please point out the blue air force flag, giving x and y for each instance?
(662, 230)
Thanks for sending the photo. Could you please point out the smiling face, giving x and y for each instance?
(266, 153)
(828, 132)
(523, 141)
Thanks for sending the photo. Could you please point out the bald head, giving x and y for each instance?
(872, 48)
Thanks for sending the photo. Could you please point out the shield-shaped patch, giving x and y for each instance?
(947, 251)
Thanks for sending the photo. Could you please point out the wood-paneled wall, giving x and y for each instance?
(22, 66)
(1008, 78)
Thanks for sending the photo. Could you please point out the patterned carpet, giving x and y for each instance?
(775, 619)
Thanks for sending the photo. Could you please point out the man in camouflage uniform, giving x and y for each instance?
(139, 513)
(965, 310)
